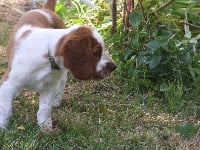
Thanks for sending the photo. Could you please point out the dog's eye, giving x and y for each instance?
(97, 52)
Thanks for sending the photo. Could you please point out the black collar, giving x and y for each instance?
(54, 66)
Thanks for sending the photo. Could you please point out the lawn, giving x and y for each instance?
(100, 115)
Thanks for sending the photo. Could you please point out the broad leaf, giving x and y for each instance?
(154, 61)
(153, 45)
(135, 18)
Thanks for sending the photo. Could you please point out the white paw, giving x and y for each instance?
(57, 101)
(3, 126)
(46, 129)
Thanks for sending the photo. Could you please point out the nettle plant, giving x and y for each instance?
(158, 47)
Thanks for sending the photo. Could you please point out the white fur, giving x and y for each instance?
(31, 70)
(104, 58)
(98, 37)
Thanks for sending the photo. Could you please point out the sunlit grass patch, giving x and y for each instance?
(94, 115)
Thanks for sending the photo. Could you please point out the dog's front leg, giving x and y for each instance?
(44, 112)
(8, 90)
(60, 90)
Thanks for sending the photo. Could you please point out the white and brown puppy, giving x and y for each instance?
(39, 57)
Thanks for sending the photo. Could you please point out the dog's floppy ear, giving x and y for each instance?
(78, 56)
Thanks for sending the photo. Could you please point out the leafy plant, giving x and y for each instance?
(98, 17)
(174, 98)
(154, 49)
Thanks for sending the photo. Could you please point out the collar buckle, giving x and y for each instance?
(54, 66)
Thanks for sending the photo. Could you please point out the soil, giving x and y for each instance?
(12, 10)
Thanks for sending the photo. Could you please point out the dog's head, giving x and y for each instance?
(84, 54)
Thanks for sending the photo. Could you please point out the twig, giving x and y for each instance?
(193, 25)
(155, 11)
(164, 5)
(124, 14)
(114, 17)
(142, 8)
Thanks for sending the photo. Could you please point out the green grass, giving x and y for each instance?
(4, 28)
(96, 115)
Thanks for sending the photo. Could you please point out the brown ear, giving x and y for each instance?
(78, 57)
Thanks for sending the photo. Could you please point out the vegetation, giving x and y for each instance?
(150, 102)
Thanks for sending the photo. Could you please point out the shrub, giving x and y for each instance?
(158, 47)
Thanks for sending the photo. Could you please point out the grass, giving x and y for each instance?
(95, 115)
(100, 115)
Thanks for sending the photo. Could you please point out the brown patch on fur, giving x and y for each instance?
(37, 19)
(57, 21)
(11, 50)
(10, 53)
(81, 52)
(25, 34)
(50, 4)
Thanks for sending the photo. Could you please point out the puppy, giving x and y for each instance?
(40, 56)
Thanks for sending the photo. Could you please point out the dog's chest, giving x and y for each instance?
(44, 79)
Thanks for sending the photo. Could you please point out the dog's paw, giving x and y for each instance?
(56, 102)
(46, 129)
(3, 126)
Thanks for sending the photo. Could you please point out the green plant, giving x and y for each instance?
(173, 93)
(98, 17)
(4, 33)
(154, 50)
(187, 129)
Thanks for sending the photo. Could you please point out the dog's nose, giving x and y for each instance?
(113, 67)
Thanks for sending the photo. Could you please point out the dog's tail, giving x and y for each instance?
(50, 4)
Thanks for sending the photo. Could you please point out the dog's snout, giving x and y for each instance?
(113, 67)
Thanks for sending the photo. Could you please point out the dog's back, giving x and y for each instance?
(41, 18)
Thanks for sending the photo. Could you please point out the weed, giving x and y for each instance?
(4, 28)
